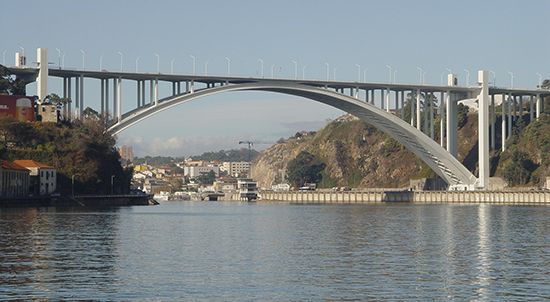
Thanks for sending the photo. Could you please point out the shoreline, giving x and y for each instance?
(79, 201)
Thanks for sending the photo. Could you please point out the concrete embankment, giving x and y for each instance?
(79, 200)
(421, 197)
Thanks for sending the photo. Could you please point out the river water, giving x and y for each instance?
(214, 251)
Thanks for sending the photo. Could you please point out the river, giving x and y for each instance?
(214, 251)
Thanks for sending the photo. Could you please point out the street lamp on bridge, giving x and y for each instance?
(137, 63)
(304, 72)
(358, 72)
(511, 79)
(295, 69)
(158, 62)
(83, 58)
(390, 70)
(421, 80)
(228, 65)
(262, 68)
(58, 57)
(467, 77)
(121, 59)
(540, 79)
(172, 66)
(365, 75)
(328, 71)
(494, 77)
(206, 68)
(194, 61)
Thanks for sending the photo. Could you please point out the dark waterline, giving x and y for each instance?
(276, 252)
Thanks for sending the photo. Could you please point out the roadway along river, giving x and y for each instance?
(276, 252)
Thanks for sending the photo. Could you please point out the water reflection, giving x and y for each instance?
(231, 251)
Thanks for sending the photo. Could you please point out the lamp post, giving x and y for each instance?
(304, 72)
(158, 62)
(63, 61)
(365, 75)
(358, 72)
(494, 77)
(262, 68)
(172, 66)
(328, 71)
(395, 75)
(121, 59)
(511, 79)
(467, 77)
(112, 183)
(137, 63)
(421, 71)
(58, 57)
(540, 79)
(194, 61)
(390, 70)
(228, 65)
(83, 58)
(295, 69)
(334, 74)
(206, 68)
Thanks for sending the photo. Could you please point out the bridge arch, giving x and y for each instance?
(437, 158)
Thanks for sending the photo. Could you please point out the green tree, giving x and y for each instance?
(207, 178)
(517, 171)
(305, 168)
(10, 84)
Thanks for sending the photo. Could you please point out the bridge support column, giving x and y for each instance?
(102, 96)
(382, 100)
(107, 98)
(179, 87)
(119, 99)
(69, 104)
(418, 113)
(81, 95)
(503, 121)
(492, 120)
(441, 118)
(77, 97)
(372, 97)
(42, 79)
(483, 129)
(151, 92)
(520, 105)
(156, 91)
(412, 112)
(510, 110)
(451, 113)
(143, 93)
(396, 99)
(402, 92)
(531, 108)
(173, 88)
(65, 96)
(538, 106)
(388, 94)
(115, 98)
(431, 118)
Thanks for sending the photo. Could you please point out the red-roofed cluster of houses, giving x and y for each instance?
(22, 178)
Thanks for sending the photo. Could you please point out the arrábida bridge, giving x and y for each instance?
(356, 98)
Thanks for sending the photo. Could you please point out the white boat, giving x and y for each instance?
(161, 196)
(248, 189)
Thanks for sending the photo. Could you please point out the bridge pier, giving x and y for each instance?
(42, 78)
(107, 98)
(102, 98)
(115, 96)
(119, 99)
(418, 113)
(510, 108)
(531, 108)
(483, 130)
(81, 95)
(451, 112)
(503, 121)
(77, 97)
(431, 119)
(412, 111)
(492, 119)
(441, 118)
(388, 95)
(538, 106)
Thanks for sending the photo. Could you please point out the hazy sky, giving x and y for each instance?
(499, 35)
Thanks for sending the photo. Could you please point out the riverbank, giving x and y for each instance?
(420, 197)
(79, 200)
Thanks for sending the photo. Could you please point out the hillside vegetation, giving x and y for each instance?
(80, 149)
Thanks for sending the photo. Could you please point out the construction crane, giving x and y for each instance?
(250, 144)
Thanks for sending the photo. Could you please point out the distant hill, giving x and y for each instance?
(222, 155)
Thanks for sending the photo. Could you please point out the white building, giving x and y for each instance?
(195, 171)
(43, 177)
(236, 168)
